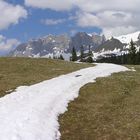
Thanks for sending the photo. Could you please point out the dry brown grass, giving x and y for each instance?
(26, 71)
(106, 110)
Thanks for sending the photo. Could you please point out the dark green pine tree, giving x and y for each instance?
(61, 57)
(89, 51)
(90, 55)
(74, 55)
(132, 53)
(138, 57)
(124, 58)
(82, 53)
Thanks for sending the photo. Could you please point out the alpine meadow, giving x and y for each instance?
(69, 70)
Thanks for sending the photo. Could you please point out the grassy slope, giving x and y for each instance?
(25, 71)
(106, 110)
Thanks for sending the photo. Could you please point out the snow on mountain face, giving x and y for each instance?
(84, 39)
(117, 45)
(127, 38)
(45, 46)
(110, 45)
(54, 46)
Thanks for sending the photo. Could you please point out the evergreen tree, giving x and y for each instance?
(89, 59)
(114, 59)
(89, 51)
(138, 57)
(82, 53)
(74, 55)
(90, 55)
(132, 53)
(124, 59)
(61, 57)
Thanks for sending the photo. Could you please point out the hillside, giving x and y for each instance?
(107, 109)
(31, 112)
(127, 38)
(26, 71)
(107, 46)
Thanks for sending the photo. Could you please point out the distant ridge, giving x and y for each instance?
(51, 46)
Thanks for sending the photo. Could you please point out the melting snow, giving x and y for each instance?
(31, 112)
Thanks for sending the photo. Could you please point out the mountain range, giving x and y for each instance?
(54, 45)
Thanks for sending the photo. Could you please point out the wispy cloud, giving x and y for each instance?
(52, 21)
(57, 5)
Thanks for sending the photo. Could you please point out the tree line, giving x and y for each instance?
(131, 58)
(83, 57)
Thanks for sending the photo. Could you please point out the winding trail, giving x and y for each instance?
(31, 112)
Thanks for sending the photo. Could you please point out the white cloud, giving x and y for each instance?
(112, 23)
(114, 17)
(7, 44)
(10, 14)
(58, 5)
(119, 30)
(84, 5)
(52, 21)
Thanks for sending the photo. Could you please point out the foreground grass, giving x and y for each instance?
(106, 110)
(25, 71)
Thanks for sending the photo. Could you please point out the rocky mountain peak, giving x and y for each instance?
(52, 45)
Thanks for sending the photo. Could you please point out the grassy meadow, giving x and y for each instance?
(106, 110)
(15, 72)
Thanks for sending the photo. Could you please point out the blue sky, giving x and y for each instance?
(22, 20)
(32, 27)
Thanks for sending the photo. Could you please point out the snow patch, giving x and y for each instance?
(133, 69)
(127, 38)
